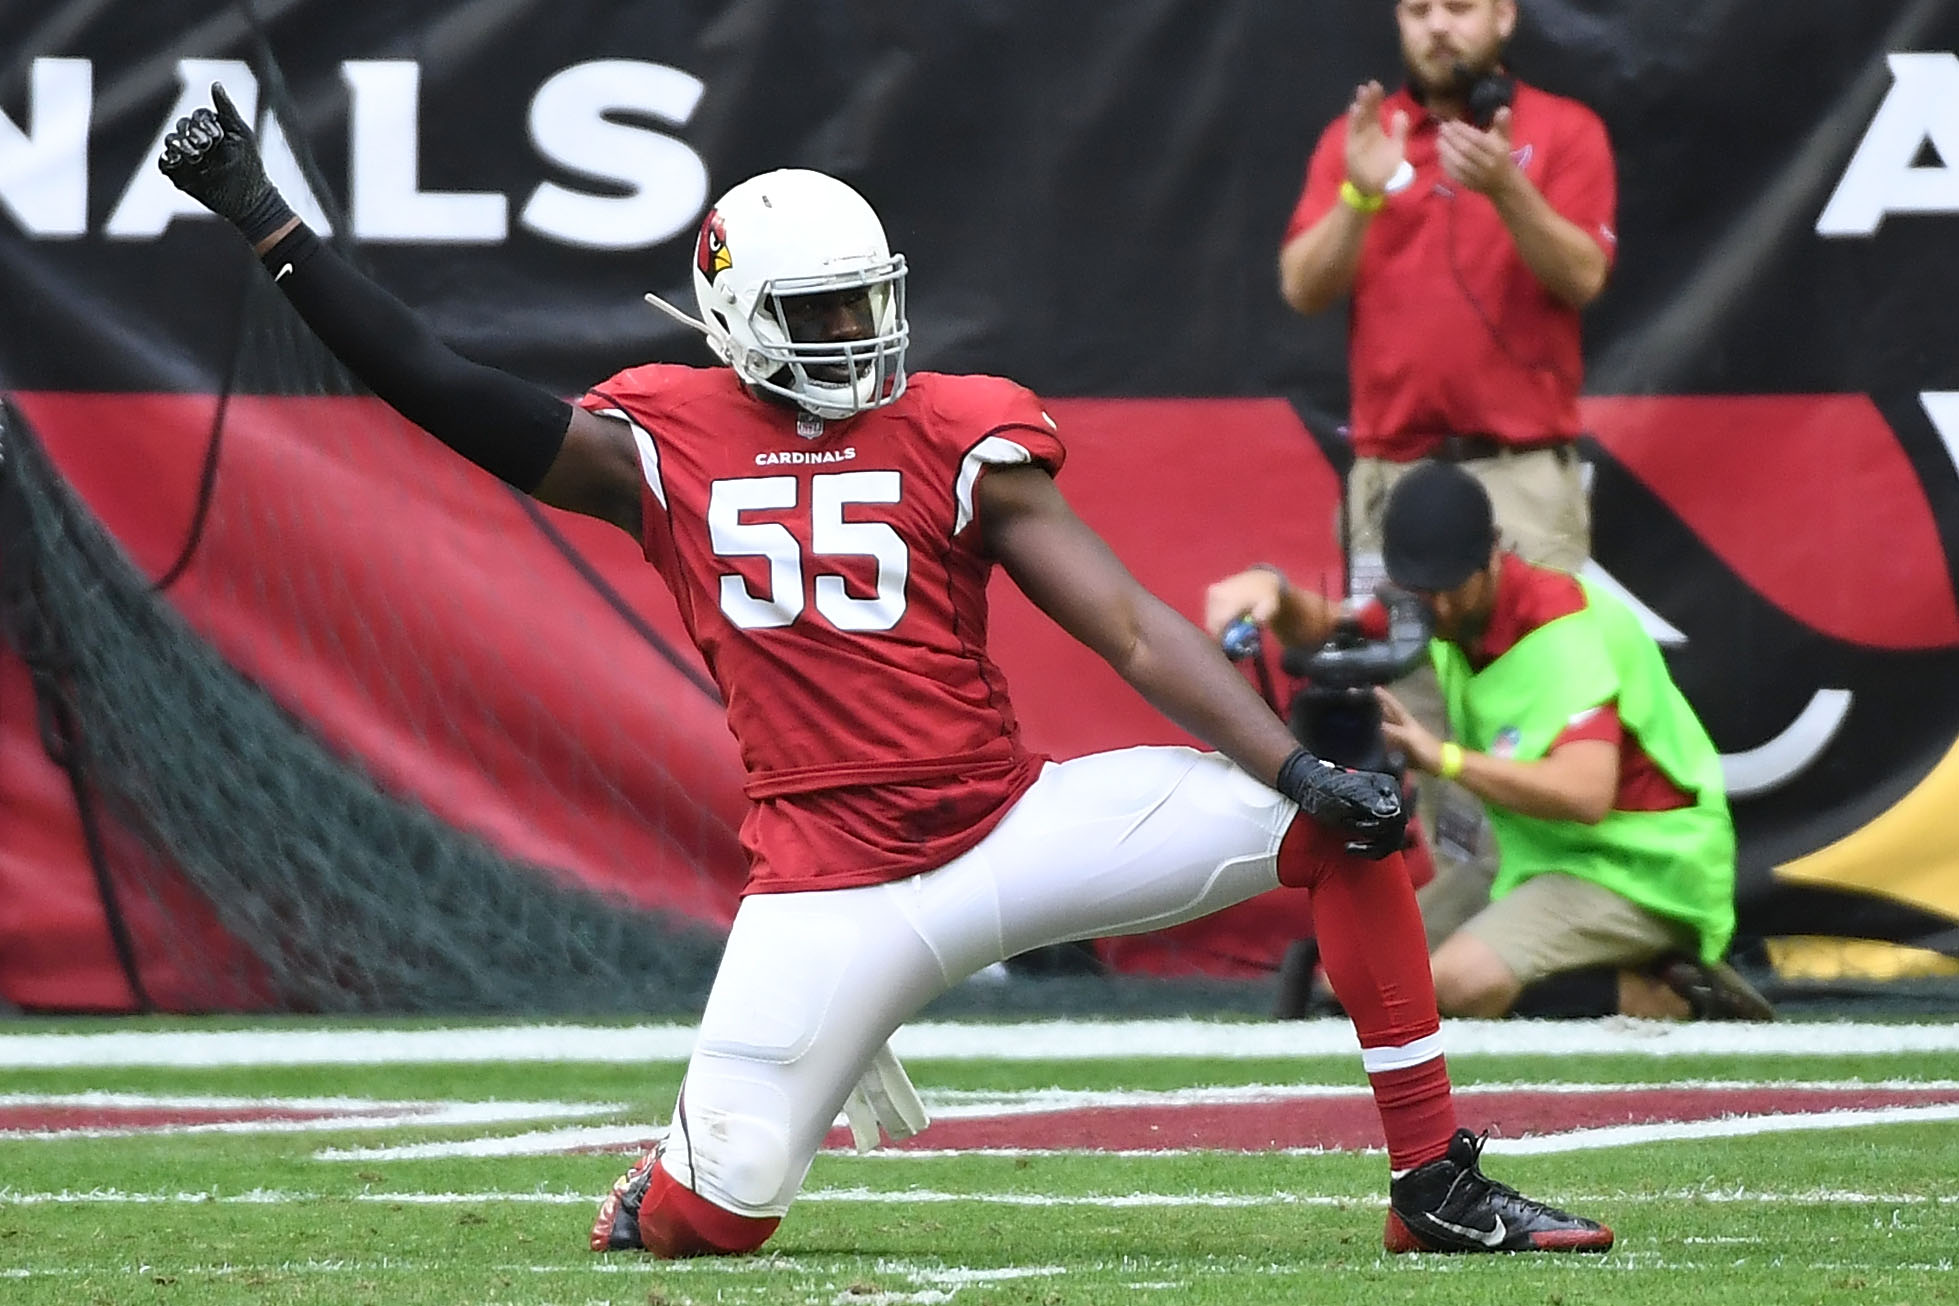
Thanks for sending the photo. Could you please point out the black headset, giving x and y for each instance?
(1490, 91)
(1483, 93)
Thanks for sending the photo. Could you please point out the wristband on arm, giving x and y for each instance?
(507, 426)
(1359, 200)
(1449, 760)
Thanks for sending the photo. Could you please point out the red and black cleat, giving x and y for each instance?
(1450, 1205)
(617, 1227)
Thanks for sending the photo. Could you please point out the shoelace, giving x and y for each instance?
(1475, 1170)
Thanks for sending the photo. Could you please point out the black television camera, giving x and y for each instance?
(1333, 711)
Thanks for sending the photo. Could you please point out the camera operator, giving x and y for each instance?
(1615, 846)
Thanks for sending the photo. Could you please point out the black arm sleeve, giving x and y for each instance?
(507, 426)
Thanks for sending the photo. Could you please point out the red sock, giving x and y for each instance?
(1376, 959)
(676, 1222)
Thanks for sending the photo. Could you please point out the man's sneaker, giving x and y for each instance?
(1450, 1205)
(617, 1226)
(1716, 992)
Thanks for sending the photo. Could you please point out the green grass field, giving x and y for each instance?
(1822, 1214)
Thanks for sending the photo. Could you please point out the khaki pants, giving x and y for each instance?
(1554, 923)
(1538, 498)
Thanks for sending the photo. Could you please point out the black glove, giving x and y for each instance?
(1365, 805)
(212, 157)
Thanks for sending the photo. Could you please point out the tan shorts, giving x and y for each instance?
(1556, 922)
(1461, 887)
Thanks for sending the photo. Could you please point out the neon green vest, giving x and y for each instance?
(1677, 864)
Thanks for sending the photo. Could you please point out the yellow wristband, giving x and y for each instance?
(1359, 200)
(1448, 762)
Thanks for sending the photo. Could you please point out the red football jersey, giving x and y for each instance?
(832, 577)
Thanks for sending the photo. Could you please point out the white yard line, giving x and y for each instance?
(1038, 1041)
(817, 1270)
(439, 1112)
(537, 1142)
(952, 1104)
(924, 1196)
(955, 1104)
(1583, 1140)
(316, 1113)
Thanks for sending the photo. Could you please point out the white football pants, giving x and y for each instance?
(812, 984)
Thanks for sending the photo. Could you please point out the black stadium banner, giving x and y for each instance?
(1090, 196)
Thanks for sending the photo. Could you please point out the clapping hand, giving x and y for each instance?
(1374, 155)
(1475, 159)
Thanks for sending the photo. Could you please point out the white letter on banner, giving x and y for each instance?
(1942, 406)
(44, 171)
(665, 181)
(1922, 105)
(283, 171)
(384, 156)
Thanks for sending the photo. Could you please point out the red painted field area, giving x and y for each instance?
(1349, 1122)
(1224, 1120)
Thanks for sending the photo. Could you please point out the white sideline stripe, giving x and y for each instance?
(464, 1112)
(1618, 1262)
(1062, 1040)
(987, 1104)
(1579, 1140)
(347, 1113)
(771, 1264)
(947, 1103)
(1084, 1153)
(538, 1142)
(903, 1196)
(951, 1276)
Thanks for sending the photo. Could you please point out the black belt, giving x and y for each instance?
(1470, 448)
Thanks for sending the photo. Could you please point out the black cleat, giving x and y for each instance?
(1450, 1205)
(617, 1227)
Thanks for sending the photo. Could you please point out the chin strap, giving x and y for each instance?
(721, 346)
(677, 315)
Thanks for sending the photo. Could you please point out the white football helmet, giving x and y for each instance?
(790, 235)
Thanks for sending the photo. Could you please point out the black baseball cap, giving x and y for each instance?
(1439, 530)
